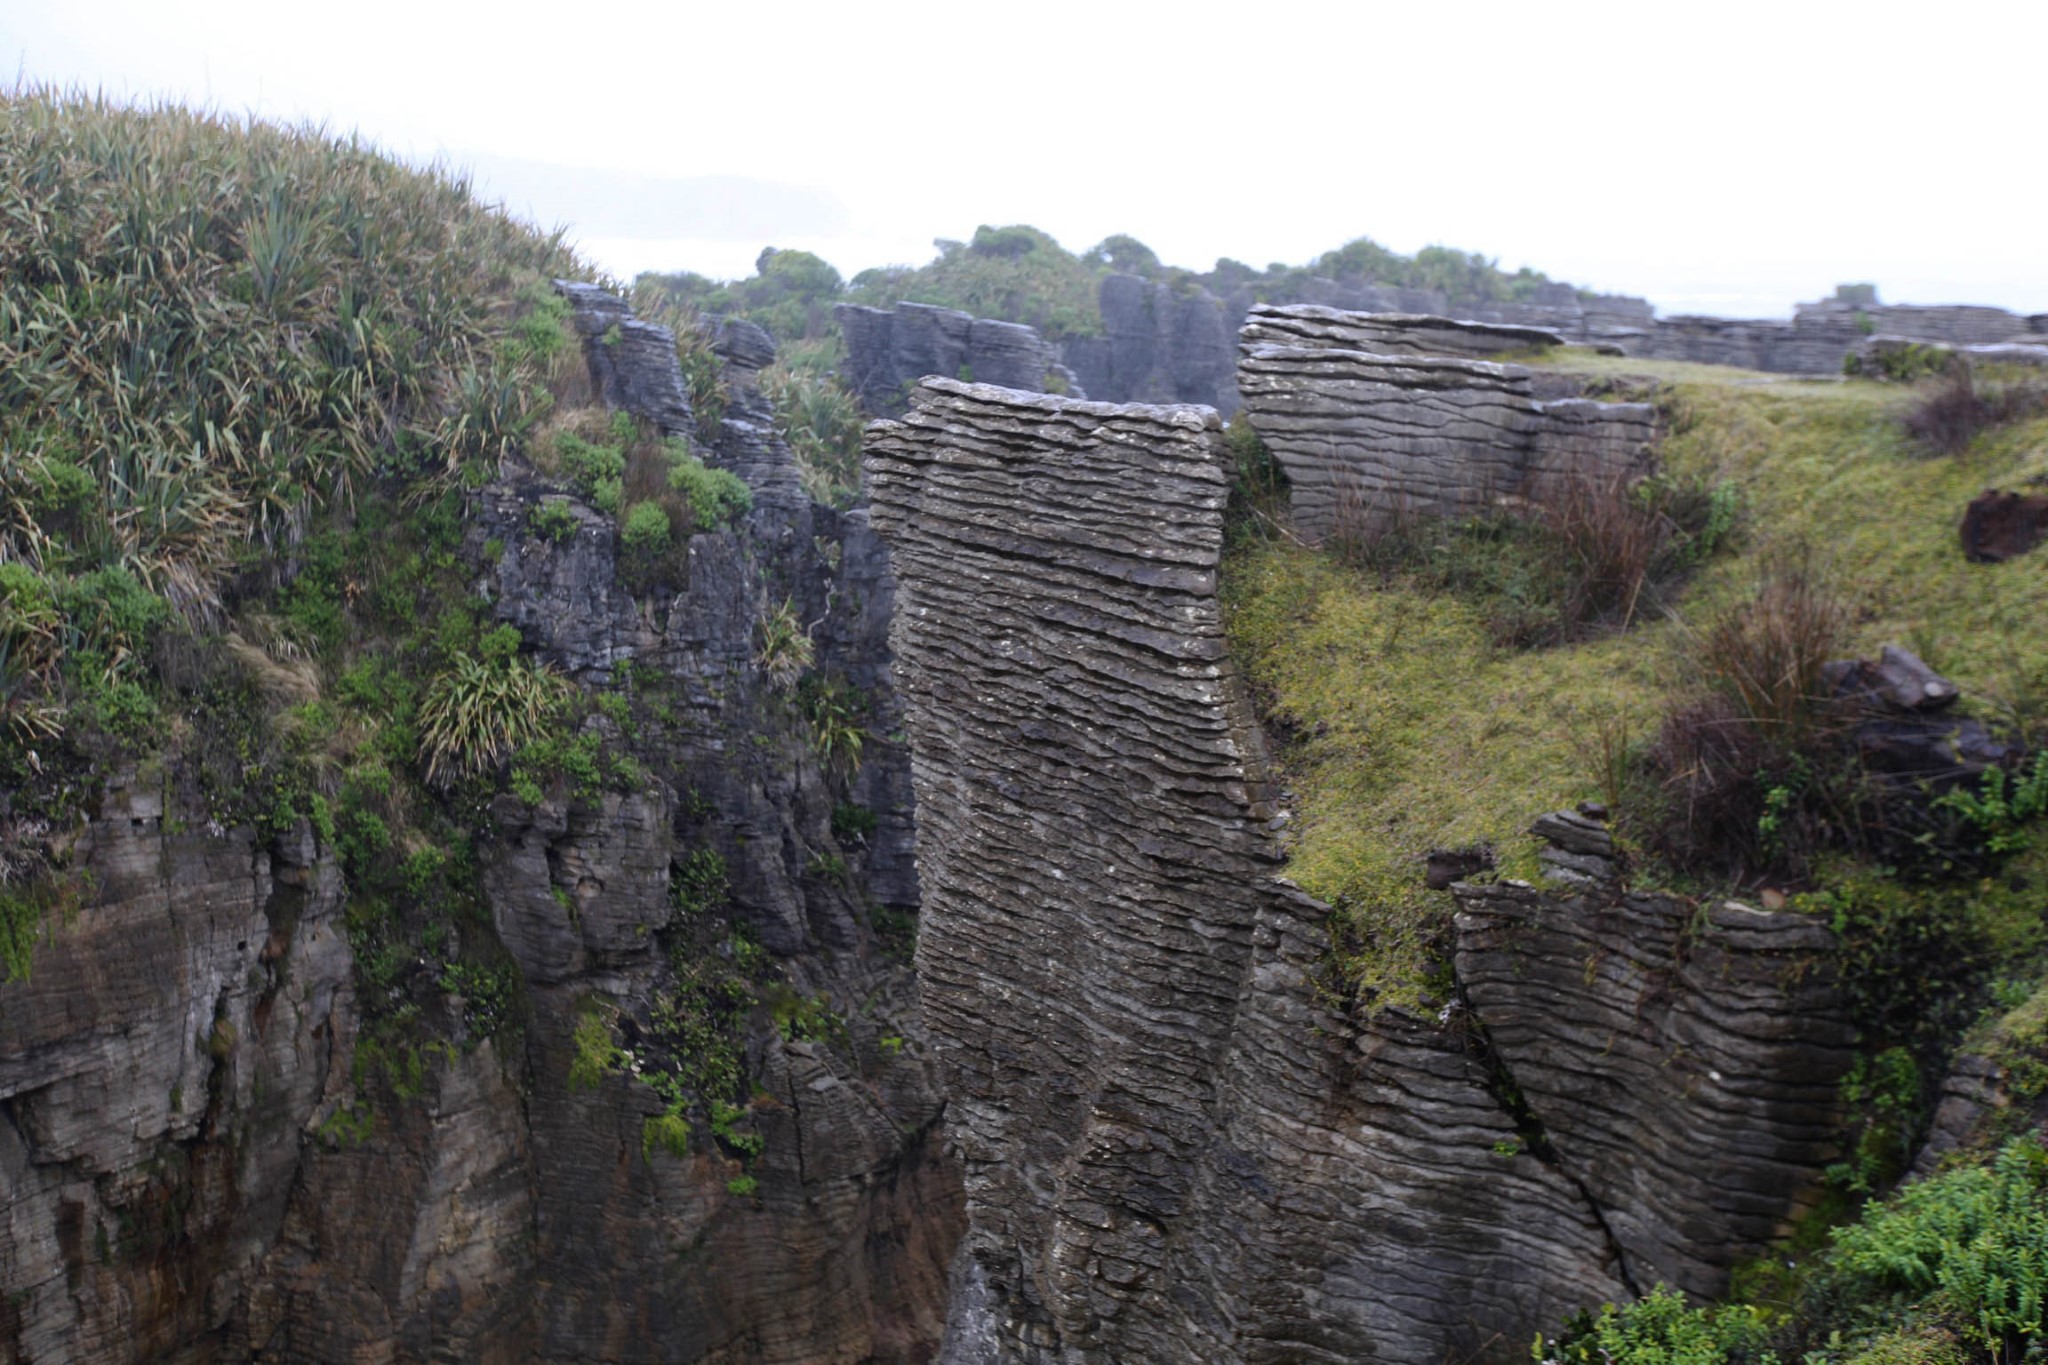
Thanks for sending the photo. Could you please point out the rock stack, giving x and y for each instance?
(1177, 1146)
(1364, 433)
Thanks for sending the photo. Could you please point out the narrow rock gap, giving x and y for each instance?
(1535, 1139)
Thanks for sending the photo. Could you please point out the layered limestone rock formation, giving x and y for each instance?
(889, 349)
(199, 1159)
(1682, 1064)
(1310, 326)
(1177, 1146)
(1364, 434)
(1177, 342)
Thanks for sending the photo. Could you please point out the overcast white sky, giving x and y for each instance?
(1724, 157)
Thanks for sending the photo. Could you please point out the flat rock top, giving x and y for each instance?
(1321, 325)
(1185, 416)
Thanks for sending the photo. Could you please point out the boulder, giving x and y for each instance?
(1998, 526)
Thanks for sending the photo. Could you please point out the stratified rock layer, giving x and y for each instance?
(889, 349)
(1175, 1148)
(1682, 1064)
(1388, 333)
(201, 1159)
(1363, 434)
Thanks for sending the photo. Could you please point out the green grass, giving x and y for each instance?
(1406, 727)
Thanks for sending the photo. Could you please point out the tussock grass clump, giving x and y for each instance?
(822, 423)
(1752, 758)
(478, 710)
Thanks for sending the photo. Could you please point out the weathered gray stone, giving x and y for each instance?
(632, 363)
(1362, 435)
(1175, 1150)
(1312, 327)
(1683, 1064)
(200, 1161)
(889, 349)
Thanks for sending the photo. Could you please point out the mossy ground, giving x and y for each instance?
(1409, 729)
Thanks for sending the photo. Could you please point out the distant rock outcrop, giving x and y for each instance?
(1175, 342)
(1362, 434)
(1820, 336)
(889, 349)
(1177, 1147)
(1159, 344)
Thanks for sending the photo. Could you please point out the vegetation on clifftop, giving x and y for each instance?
(1416, 710)
(1415, 724)
(253, 384)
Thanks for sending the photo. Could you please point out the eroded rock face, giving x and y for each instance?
(200, 1161)
(889, 349)
(1682, 1064)
(157, 1068)
(1364, 434)
(1176, 1148)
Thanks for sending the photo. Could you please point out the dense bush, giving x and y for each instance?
(715, 497)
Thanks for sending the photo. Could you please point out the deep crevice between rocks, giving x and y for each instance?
(1529, 1130)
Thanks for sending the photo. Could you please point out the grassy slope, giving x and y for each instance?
(1416, 732)
(1410, 729)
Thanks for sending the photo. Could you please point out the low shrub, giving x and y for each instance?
(1659, 1329)
(1571, 557)
(645, 530)
(1968, 1248)
(1751, 761)
(716, 497)
(552, 520)
(823, 424)
(1953, 410)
